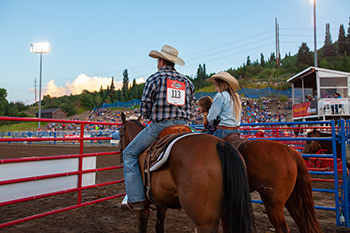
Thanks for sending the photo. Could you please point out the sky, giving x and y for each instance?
(93, 41)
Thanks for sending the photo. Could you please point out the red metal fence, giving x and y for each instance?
(79, 172)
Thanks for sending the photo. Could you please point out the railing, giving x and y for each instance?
(81, 173)
(331, 106)
(273, 131)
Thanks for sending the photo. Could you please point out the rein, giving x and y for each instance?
(122, 138)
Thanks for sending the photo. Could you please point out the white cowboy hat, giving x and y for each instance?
(168, 53)
(222, 75)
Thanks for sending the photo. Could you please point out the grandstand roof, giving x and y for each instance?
(309, 76)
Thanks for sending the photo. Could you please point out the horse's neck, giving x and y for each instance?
(135, 129)
(328, 145)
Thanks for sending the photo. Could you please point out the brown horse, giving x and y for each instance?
(281, 177)
(313, 146)
(205, 176)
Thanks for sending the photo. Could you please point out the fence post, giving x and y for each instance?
(344, 168)
(335, 167)
(81, 150)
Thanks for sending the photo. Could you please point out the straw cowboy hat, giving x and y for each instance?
(168, 53)
(224, 76)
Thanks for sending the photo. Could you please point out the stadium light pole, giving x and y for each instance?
(315, 42)
(40, 48)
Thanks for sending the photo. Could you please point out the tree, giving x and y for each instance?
(201, 74)
(262, 60)
(342, 46)
(86, 99)
(3, 101)
(112, 91)
(125, 82)
(328, 47)
(248, 61)
(304, 56)
(348, 40)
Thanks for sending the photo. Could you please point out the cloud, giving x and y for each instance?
(81, 83)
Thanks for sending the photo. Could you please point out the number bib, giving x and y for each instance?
(175, 92)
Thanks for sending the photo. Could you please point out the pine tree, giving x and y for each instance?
(348, 40)
(304, 56)
(341, 40)
(328, 47)
(201, 74)
(125, 83)
(262, 60)
(248, 61)
(112, 91)
(204, 72)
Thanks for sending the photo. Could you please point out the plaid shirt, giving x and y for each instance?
(154, 105)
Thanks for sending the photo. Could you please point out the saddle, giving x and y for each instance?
(155, 152)
(235, 140)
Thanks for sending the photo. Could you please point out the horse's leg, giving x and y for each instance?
(160, 220)
(142, 219)
(275, 213)
(295, 210)
(301, 203)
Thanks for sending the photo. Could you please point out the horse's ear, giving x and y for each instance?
(315, 130)
(123, 118)
(139, 118)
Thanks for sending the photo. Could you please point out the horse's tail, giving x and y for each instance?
(301, 203)
(238, 215)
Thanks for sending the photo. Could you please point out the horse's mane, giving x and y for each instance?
(138, 123)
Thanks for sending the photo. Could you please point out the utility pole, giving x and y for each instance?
(277, 44)
(35, 91)
(315, 42)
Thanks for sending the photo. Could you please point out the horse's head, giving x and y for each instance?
(311, 147)
(128, 131)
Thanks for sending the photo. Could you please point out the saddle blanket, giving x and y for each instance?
(163, 157)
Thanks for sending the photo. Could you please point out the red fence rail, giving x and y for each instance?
(79, 172)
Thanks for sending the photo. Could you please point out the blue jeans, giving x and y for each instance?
(132, 175)
(222, 133)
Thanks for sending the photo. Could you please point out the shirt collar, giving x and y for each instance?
(167, 68)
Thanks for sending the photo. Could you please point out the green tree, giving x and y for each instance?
(125, 81)
(304, 56)
(112, 93)
(248, 61)
(328, 47)
(86, 100)
(262, 60)
(341, 40)
(201, 74)
(348, 40)
(3, 101)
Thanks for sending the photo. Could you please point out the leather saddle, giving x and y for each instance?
(166, 136)
(236, 141)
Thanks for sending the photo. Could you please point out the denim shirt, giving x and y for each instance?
(223, 109)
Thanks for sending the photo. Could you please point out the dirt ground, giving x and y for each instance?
(106, 216)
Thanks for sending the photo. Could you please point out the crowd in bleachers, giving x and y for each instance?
(253, 111)
(258, 111)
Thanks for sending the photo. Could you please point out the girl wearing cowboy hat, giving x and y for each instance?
(226, 105)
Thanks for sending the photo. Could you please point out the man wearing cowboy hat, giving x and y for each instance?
(167, 99)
